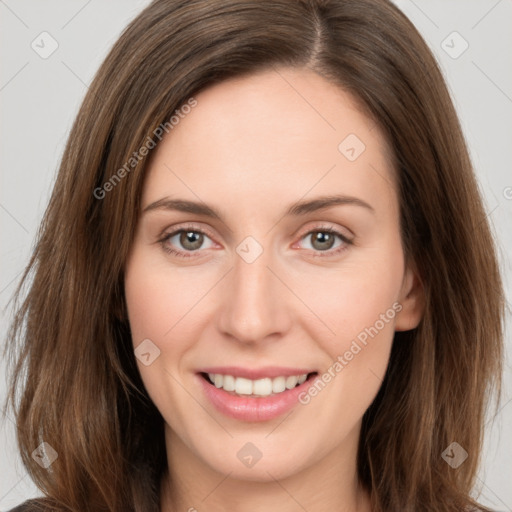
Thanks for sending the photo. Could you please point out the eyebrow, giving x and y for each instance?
(296, 209)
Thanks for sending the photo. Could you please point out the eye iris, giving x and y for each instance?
(322, 237)
(191, 240)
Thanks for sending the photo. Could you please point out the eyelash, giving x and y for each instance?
(193, 229)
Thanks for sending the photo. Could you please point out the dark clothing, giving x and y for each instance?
(26, 506)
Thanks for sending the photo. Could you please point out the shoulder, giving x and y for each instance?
(28, 506)
(21, 508)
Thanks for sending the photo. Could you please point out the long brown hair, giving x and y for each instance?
(75, 384)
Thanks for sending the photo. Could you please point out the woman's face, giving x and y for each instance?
(300, 272)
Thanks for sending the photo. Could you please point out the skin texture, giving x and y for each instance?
(251, 147)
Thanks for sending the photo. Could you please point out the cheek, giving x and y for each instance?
(362, 318)
(358, 303)
(353, 297)
(164, 306)
(156, 302)
(158, 297)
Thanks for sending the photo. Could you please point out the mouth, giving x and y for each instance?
(256, 388)
(254, 395)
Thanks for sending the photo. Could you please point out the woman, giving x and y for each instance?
(265, 278)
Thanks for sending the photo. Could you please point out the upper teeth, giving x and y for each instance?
(260, 387)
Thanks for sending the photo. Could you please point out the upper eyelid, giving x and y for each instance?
(327, 227)
(166, 233)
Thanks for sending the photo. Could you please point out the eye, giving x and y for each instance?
(187, 240)
(323, 240)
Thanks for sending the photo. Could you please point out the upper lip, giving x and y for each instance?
(256, 373)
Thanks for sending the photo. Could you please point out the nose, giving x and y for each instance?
(254, 304)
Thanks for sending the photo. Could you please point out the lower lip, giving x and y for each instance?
(253, 408)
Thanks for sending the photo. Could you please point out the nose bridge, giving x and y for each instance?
(254, 305)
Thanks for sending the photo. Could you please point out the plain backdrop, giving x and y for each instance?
(40, 95)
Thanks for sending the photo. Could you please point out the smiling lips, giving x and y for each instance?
(254, 395)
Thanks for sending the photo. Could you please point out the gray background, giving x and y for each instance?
(39, 99)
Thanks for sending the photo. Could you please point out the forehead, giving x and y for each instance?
(281, 132)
